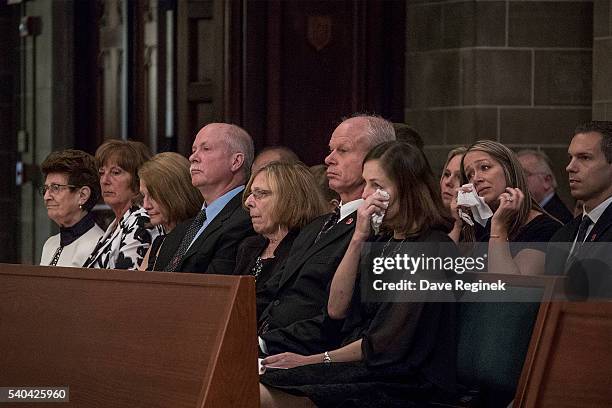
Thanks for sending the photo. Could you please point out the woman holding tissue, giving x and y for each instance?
(392, 353)
(495, 175)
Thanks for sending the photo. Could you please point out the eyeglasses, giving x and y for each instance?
(54, 188)
(261, 194)
(537, 173)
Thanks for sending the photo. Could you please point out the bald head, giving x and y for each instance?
(350, 143)
(221, 157)
(272, 154)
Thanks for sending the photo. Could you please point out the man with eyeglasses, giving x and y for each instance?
(542, 184)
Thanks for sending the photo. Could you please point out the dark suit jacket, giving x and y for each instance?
(248, 251)
(590, 272)
(557, 208)
(296, 320)
(214, 251)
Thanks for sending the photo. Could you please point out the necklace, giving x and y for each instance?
(256, 269)
(395, 250)
(56, 256)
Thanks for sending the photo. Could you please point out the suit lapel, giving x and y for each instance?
(602, 225)
(215, 224)
(343, 227)
(572, 229)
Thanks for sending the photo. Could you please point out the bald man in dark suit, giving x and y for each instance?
(220, 162)
(296, 319)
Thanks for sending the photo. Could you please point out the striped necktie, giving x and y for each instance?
(329, 223)
(190, 234)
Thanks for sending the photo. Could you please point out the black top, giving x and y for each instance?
(70, 234)
(557, 208)
(534, 235)
(157, 243)
(266, 283)
(214, 251)
(293, 321)
(409, 352)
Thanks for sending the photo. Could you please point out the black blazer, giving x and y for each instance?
(249, 250)
(296, 320)
(214, 251)
(557, 208)
(590, 272)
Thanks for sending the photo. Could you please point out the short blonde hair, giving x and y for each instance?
(168, 181)
(297, 198)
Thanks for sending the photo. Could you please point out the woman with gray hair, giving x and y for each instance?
(70, 191)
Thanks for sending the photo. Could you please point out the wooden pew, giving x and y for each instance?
(569, 360)
(129, 339)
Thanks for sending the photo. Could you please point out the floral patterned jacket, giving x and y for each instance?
(124, 246)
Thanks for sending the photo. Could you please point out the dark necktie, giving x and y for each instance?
(191, 232)
(582, 230)
(329, 223)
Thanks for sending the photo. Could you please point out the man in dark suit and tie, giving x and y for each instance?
(580, 249)
(295, 320)
(221, 157)
(542, 184)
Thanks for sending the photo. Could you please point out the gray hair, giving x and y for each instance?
(379, 130)
(239, 141)
(544, 162)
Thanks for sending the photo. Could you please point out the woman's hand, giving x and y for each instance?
(454, 208)
(374, 204)
(287, 360)
(509, 204)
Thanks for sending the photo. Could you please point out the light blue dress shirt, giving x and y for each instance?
(214, 208)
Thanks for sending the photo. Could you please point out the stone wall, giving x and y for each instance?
(519, 72)
(602, 60)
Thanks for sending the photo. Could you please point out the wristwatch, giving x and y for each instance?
(326, 358)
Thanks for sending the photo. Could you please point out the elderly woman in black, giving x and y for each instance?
(70, 191)
(266, 196)
(392, 353)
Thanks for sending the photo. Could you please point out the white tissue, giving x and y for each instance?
(377, 219)
(480, 210)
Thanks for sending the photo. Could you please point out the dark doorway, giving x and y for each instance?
(9, 122)
(308, 63)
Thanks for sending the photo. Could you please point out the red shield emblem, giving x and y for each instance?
(319, 31)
